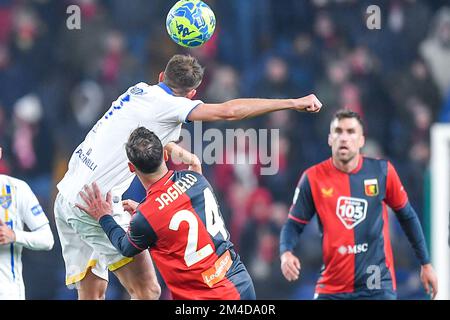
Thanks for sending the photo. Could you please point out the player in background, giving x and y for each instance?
(101, 157)
(350, 194)
(179, 221)
(19, 207)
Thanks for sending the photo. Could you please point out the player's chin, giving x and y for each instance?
(344, 155)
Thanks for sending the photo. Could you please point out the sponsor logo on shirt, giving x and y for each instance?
(351, 211)
(218, 271)
(353, 249)
(327, 193)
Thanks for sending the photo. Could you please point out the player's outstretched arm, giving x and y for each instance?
(239, 109)
(180, 154)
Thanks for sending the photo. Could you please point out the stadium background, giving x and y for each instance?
(55, 83)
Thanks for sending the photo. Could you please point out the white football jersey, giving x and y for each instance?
(18, 207)
(102, 158)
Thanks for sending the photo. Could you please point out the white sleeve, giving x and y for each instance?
(179, 108)
(40, 239)
(173, 136)
(187, 109)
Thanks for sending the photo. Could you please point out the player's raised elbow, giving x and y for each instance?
(229, 112)
(232, 115)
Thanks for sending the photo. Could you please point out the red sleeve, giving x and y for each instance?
(302, 209)
(396, 196)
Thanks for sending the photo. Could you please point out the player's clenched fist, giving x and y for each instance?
(309, 103)
(290, 266)
(130, 205)
(6, 234)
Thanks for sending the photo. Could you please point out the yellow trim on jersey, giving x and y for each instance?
(80, 276)
(6, 210)
(119, 264)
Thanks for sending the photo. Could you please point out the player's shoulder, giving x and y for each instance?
(374, 159)
(18, 183)
(376, 163)
(188, 174)
(321, 167)
(139, 89)
(196, 181)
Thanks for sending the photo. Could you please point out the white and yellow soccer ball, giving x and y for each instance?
(190, 23)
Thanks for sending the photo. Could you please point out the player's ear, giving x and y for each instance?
(161, 76)
(362, 141)
(166, 155)
(330, 143)
(131, 167)
(191, 94)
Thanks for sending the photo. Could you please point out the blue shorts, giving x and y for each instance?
(241, 279)
(384, 294)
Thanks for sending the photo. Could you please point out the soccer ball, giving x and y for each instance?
(190, 23)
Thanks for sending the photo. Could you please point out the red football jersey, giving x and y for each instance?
(353, 219)
(188, 240)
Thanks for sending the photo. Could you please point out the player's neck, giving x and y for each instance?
(148, 180)
(346, 167)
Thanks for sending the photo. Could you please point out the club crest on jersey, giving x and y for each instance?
(5, 197)
(371, 187)
(327, 193)
(351, 211)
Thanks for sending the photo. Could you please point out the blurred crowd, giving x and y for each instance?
(55, 83)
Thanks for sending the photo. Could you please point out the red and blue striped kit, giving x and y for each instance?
(188, 240)
(353, 219)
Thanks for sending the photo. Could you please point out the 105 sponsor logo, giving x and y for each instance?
(351, 211)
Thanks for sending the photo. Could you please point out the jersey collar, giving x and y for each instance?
(166, 88)
(162, 181)
(358, 167)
